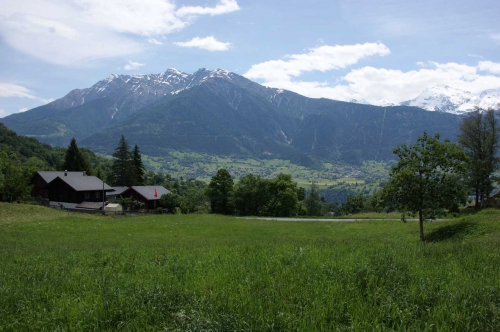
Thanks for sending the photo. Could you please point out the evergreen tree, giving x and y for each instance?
(75, 160)
(479, 137)
(121, 170)
(137, 168)
(313, 202)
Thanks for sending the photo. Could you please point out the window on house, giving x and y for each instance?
(87, 195)
(97, 195)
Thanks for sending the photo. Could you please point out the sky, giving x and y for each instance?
(373, 51)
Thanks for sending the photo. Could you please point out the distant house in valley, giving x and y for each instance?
(148, 195)
(76, 189)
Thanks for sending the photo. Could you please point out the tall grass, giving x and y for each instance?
(213, 273)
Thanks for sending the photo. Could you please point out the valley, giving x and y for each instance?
(363, 178)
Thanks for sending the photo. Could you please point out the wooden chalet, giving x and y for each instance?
(76, 189)
(42, 178)
(148, 195)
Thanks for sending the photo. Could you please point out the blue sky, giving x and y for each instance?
(375, 51)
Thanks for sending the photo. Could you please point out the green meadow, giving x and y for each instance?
(62, 271)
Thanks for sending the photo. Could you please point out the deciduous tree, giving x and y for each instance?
(428, 179)
(220, 192)
(480, 138)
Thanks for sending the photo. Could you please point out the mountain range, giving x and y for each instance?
(443, 98)
(220, 112)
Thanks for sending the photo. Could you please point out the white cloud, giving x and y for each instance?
(378, 86)
(154, 41)
(17, 91)
(208, 43)
(492, 67)
(133, 65)
(475, 56)
(24, 109)
(495, 37)
(140, 17)
(224, 7)
(323, 58)
(79, 31)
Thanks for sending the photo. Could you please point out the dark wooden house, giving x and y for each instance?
(42, 178)
(75, 189)
(148, 195)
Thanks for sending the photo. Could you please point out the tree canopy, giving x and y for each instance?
(428, 179)
(479, 136)
(220, 192)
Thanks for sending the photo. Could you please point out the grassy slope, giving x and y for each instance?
(65, 271)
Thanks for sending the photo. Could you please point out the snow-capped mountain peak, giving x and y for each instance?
(443, 98)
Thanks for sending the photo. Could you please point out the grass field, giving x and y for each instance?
(67, 272)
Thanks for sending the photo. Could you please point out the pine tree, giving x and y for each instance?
(121, 170)
(137, 168)
(75, 160)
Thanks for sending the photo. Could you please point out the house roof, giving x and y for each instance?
(84, 183)
(90, 205)
(48, 176)
(148, 192)
(117, 191)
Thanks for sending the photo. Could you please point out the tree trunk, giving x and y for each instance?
(421, 222)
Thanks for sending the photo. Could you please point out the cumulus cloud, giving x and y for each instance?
(378, 86)
(492, 67)
(208, 43)
(133, 65)
(224, 7)
(323, 58)
(24, 109)
(75, 32)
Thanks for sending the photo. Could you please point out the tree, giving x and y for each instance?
(428, 179)
(75, 160)
(313, 202)
(14, 177)
(247, 195)
(138, 169)
(479, 137)
(170, 201)
(220, 192)
(121, 174)
(282, 196)
(354, 204)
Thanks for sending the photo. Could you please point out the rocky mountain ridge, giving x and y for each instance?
(219, 112)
